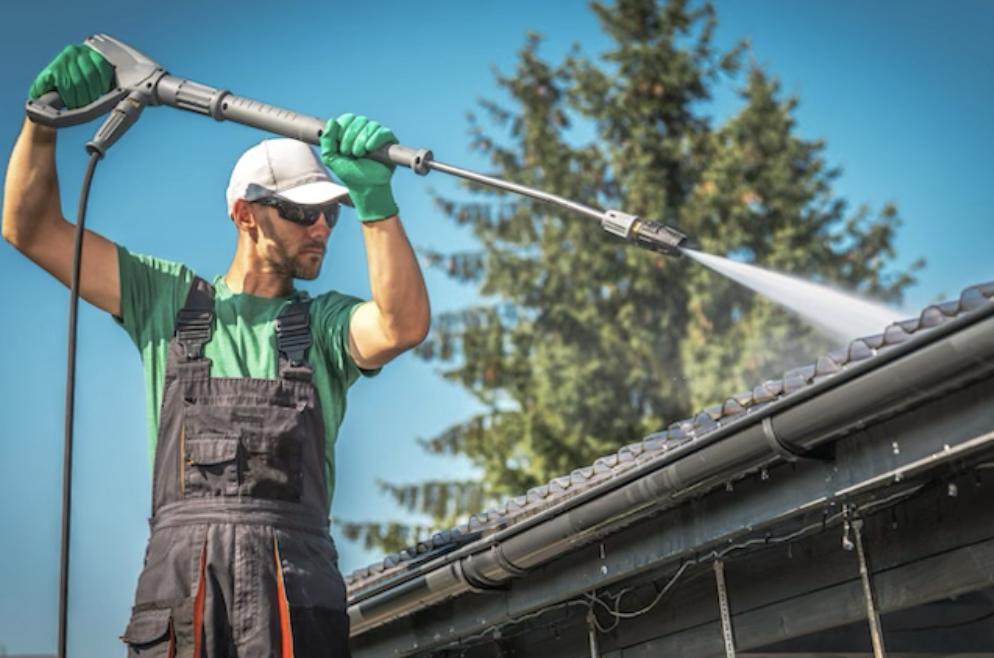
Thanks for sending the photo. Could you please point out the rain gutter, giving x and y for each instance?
(925, 365)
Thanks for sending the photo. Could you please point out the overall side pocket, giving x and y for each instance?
(160, 630)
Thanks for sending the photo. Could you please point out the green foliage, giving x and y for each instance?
(387, 537)
(594, 343)
(445, 502)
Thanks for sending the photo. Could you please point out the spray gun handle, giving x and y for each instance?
(49, 109)
(133, 72)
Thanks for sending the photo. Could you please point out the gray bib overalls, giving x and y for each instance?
(239, 561)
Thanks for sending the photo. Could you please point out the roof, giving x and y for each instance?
(656, 446)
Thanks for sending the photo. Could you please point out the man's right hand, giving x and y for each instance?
(80, 74)
(32, 210)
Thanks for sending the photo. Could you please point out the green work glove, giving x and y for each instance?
(80, 74)
(343, 144)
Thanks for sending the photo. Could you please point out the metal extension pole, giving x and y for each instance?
(516, 188)
(225, 106)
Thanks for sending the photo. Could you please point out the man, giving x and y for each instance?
(245, 378)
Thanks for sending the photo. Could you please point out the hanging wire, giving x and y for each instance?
(717, 555)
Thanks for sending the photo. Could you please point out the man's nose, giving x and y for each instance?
(320, 228)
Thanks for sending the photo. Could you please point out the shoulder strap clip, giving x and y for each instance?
(193, 322)
(293, 332)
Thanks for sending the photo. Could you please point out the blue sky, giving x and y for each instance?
(901, 90)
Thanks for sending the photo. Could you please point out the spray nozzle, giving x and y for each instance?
(659, 238)
(645, 233)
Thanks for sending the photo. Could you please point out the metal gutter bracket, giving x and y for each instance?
(726, 616)
(595, 651)
(869, 594)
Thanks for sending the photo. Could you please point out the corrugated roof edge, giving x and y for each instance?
(654, 445)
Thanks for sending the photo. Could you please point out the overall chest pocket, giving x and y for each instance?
(256, 453)
(211, 466)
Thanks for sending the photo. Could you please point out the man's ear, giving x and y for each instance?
(241, 215)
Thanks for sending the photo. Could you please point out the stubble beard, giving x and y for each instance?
(307, 267)
(304, 266)
(298, 265)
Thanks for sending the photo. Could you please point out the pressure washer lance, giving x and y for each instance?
(142, 82)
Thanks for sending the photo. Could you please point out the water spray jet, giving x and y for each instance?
(843, 316)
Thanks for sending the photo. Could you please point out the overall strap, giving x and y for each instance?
(193, 326)
(293, 339)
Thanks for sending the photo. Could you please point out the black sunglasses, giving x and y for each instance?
(303, 214)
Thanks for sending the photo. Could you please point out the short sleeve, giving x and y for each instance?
(152, 292)
(332, 315)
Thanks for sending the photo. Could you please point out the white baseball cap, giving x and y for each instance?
(287, 168)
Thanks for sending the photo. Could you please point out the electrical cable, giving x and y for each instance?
(70, 405)
(716, 555)
(496, 630)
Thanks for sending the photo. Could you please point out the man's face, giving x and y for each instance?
(290, 249)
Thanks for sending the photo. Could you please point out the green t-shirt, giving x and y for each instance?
(243, 341)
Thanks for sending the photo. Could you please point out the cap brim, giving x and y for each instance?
(317, 192)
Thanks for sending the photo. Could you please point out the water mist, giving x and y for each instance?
(842, 316)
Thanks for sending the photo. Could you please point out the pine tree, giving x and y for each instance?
(593, 343)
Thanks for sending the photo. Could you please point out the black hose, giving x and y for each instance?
(70, 405)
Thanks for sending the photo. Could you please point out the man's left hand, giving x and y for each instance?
(344, 143)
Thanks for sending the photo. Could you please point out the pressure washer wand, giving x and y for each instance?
(142, 82)
(222, 105)
(645, 233)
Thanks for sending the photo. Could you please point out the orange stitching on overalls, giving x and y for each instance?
(198, 604)
(286, 634)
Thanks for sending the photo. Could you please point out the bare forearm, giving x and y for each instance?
(396, 283)
(31, 190)
(33, 222)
